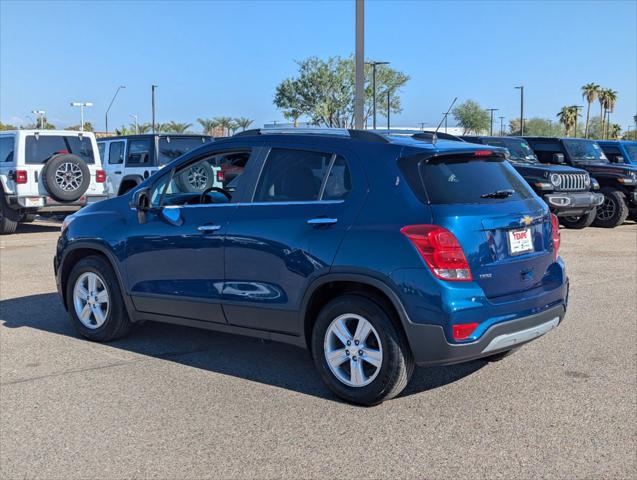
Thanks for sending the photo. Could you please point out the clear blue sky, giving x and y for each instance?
(226, 58)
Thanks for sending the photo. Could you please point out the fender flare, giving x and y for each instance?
(363, 278)
(136, 178)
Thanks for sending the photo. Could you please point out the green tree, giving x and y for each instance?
(243, 122)
(610, 101)
(88, 127)
(176, 127)
(45, 123)
(537, 127)
(589, 93)
(472, 117)
(615, 131)
(7, 126)
(568, 118)
(207, 124)
(224, 123)
(323, 90)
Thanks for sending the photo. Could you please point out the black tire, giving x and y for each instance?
(613, 211)
(501, 355)
(117, 323)
(28, 218)
(397, 363)
(204, 178)
(577, 223)
(8, 217)
(633, 215)
(66, 168)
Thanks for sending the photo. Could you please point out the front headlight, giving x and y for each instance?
(556, 180)
(595, 184)
(587, 180)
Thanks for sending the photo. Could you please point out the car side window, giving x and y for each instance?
(116, 153)
(6, 149)
(301, 175)
(139, 152)
(101, 149)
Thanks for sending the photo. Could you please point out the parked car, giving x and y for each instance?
(47, 172)
(376, 253)
(568, 191)
(130, 159)
(620, 151)
(618, 182)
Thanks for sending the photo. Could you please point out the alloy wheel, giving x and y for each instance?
(68, 176)
(91, 300)
(607, 209)
(353, 350)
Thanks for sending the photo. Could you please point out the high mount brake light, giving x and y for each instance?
(555, 234)
(483, 153)
(440, 250)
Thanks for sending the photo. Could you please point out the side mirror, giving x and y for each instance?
(558, 158)
(141, 200)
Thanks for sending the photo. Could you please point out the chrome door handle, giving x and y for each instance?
(322, 221)
(208, 228)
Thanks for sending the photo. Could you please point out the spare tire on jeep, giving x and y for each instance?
(66, 177)
(196, 179)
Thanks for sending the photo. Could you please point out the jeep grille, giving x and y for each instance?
(573, 181)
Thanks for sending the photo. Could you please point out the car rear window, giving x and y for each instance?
(174, 147)
(39, 148)
(464, 180)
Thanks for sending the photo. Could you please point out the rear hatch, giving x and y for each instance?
(502, 226)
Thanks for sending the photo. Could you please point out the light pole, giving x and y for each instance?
(576, 107)
(40, 114)
(388, 108)
(422, 126)
(491, 127)
(373, 64)
(501, 126)
(81, 105)
(110, 105)
(152, 101)
(444, 116)
(359, 92)
(134, 117)
(521, 88)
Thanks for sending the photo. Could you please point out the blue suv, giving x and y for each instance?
(376, 253)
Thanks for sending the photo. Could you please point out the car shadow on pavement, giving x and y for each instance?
(39, 227)
(266, 362)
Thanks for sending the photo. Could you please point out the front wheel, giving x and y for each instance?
(95, 302)
(613, 211)
(578, 223)
(359, 352)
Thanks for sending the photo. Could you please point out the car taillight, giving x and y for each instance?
(483, 153)
(21, 176)
(555, 233)
(440, 250)
(220, 176)
(100, 176)
(463, 330)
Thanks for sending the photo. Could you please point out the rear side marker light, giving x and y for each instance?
(555, 234)
(463, 330)
(100, 176)
(440, 250)
(21, 176)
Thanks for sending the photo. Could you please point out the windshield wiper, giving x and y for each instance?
(498, 194)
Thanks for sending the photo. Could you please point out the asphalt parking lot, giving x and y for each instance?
(174, 402)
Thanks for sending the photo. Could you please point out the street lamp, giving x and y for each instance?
(40, 114)
(81, 105)
(373, 64)
(359, 59)
(491, 128)
(110, 105)
(152, 90)
(521, 88)
(444, 117)
(134, 117)
(501, 126)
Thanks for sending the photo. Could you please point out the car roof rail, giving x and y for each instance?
(362, 135)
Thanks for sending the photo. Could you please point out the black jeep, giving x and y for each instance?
(618, 182)
(566, 190)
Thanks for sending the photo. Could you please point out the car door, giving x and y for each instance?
(174, 252)
(113, 163)
(140, 158)
(288, 233)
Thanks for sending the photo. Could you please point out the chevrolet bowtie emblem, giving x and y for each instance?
(526, 220)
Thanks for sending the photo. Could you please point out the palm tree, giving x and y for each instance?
(224, 123)
(176, 127)
(160, 127)
(614, 131)
(293, 115)
(589, 92)
(243, 122)
(208, 125)
(567, 117)
(611, 100)
(142, 127)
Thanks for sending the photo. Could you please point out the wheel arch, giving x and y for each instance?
(132, 180)
(331, 286)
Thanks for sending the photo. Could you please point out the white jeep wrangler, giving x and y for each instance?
(47, 172)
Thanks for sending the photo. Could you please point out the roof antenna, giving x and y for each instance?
(434, 139)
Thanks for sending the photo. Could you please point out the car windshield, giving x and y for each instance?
(519, 150)
(631, 149)
(454, 180)
(39, 148)
(174, 147)
(585, 151)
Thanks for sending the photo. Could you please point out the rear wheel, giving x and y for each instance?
(8, 217)
(28, 218)
(359, 353)
(613, 211)
(579, 222)
(95, 302)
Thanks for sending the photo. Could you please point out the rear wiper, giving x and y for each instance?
(498, 194)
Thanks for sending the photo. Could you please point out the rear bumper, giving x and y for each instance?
(430, 346)
(572, 204)
(44, 204)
